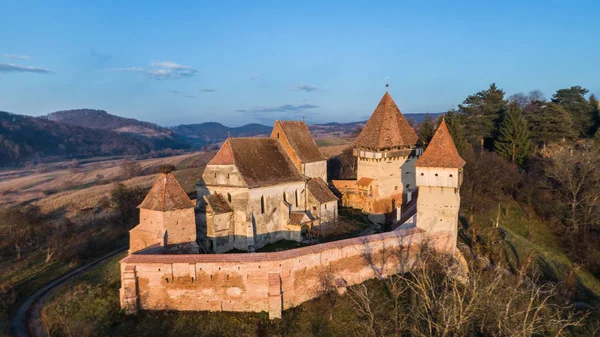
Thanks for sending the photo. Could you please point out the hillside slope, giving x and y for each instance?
(158, 136)
(24, 138)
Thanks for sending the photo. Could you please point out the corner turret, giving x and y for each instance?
(439, 177)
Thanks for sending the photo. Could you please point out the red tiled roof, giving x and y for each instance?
(340, 184)
(301, 141)
(224, 156)
(261, 161)
(166, 195)
(364, 181)
(441, 151)
(298, 218)
(320, 190)
(218, 203)
(386, 128)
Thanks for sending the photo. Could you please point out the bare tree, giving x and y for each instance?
(574, 177)
(19, 227)
(130, 168)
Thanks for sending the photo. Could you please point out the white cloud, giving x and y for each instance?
(14, 68)
(307, 88)
(16, 57)
(162, 70)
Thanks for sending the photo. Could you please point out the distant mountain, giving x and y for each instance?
(25, 138)
(211, 133)
(158, 136)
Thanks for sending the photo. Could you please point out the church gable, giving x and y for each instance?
(297, 141)
(224, 156)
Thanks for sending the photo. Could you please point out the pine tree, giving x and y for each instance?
(482, 112)
(548, 122)
(426, 131)
(595, 108)
(455, 127)
(513, 137)
(574, 102)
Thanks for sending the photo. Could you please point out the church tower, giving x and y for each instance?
(439, 176)
(386, 151)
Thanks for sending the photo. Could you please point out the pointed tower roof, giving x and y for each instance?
(166, 195)
(441, 151)
(386, 128)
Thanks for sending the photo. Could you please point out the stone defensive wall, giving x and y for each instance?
(271, 282)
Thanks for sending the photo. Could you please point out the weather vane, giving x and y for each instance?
(387, 84)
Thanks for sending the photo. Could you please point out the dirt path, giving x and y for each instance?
(26, 320)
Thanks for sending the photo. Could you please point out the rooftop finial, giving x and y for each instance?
(228, 134)
(387, 84)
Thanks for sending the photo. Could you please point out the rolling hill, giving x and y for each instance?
(25, 138)
(158, 136)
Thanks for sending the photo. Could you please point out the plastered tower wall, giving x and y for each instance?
(180, 226)
(392, 175)
(439, 199)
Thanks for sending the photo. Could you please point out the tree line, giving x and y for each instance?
(540, 154)
(517, 126)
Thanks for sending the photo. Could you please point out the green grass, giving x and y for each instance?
(27, 275)
(331, 142)
(526, 234)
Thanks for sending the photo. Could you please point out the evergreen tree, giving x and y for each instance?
(482, 112)
(548, 122)
(455, 127)
(595, 108)
(574, 102)
(426, 131)
(513, 137)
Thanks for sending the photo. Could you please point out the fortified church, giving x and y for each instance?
(257, 191)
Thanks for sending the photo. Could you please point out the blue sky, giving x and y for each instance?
(240, 62)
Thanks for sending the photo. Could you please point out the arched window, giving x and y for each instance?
(277, 134)
(284, 196)
(262, 205)
(229, 197)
